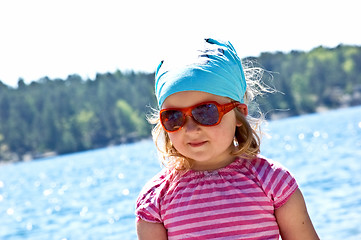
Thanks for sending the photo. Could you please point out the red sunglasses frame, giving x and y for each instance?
(222, 110)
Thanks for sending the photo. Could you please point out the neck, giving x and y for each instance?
(215, 164)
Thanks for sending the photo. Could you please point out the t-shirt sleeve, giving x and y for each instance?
(148, 202)
(277, 182)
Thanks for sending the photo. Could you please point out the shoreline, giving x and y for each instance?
(11, 157)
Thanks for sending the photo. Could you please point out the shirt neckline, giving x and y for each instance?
(215, 171)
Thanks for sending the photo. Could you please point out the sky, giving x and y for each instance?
(57, 38)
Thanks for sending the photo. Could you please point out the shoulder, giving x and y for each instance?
(155, 186)
(156, 189)
(148, 203)
(263, 166)
(277, 181)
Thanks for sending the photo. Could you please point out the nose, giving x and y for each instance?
(191, 125)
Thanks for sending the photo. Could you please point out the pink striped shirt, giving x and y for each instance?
(235, 202)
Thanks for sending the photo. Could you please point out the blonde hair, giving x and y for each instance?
(247, 136)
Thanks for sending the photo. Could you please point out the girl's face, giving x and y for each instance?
(209, 147)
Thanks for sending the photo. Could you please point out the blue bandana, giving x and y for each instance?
(217, 70)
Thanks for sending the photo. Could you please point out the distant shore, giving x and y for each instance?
(9, 158)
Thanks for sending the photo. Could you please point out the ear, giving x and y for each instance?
(244, 110)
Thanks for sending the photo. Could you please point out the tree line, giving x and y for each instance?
(75, 114)
(320, 78)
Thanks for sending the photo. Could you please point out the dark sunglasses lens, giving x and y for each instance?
(172, 120)
(206, 114)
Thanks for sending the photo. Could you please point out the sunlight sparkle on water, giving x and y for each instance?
(126, 192)
(10, 211)
(316, 134)
(301, 136)
(83, 211)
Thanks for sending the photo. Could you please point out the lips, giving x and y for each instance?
(197, 144)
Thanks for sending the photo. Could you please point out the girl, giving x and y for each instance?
(215, 184)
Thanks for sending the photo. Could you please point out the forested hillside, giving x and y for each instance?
(70, 115)
(321, 78)
(75, 114)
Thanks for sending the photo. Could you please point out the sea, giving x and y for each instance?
(92, 194)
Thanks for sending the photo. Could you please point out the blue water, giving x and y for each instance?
(91, 195)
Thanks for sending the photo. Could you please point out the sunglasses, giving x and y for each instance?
(205, 114)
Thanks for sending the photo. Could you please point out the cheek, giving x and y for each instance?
(227, 132)
(229, 122)
(174, 138)
(227, 129)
